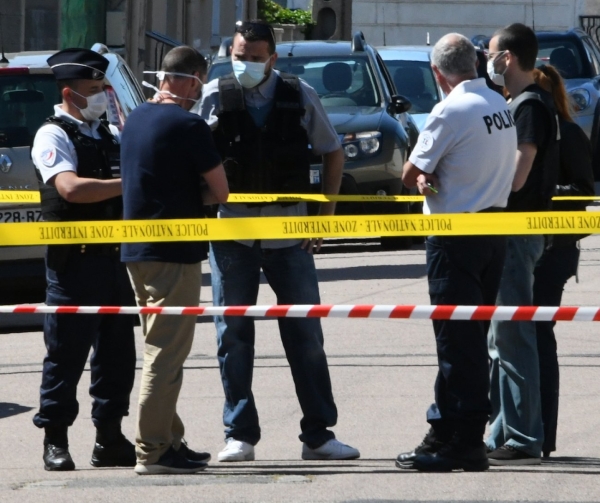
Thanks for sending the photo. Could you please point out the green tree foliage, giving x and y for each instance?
(274, 13)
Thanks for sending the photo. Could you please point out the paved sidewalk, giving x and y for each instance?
(382, 373)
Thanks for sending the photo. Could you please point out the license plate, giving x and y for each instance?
(16, 216)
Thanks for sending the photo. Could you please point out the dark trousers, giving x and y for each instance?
(463, 270)
(87, 280)
(551, 273)
(235, 276)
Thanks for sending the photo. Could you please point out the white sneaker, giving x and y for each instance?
(237, 450)
(332, 449)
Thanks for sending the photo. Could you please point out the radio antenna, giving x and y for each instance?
(4, 60)
(383, 11)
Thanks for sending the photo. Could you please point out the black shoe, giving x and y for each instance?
(203, 457)
(507, 455)
(57, 459)
(454, 456)
(120, 452)
(171, 462)
(429, 445)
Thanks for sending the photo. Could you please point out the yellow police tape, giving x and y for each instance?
(218, 229)
(19, 196)
(33, 196)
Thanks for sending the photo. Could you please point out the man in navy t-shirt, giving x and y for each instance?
(165, 153)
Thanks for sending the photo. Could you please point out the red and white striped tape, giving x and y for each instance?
(510, 313)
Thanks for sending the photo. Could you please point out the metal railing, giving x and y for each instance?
(591, 25)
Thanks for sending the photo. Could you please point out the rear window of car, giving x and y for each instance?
(338, 81)
(566, 56)
(25, 102)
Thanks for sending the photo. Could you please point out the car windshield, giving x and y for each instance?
(25, 102)
(338, 82)
(415, 80)
(565, 56)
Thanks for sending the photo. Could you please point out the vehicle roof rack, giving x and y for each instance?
(358, 42)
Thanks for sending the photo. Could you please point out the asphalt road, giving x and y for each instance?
(382, 373)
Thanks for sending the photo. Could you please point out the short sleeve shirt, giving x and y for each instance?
(321, 135)
(164, 152)
(469, 141)
(53, 152)
(532, 118)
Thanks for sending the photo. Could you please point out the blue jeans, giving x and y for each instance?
(515, 373)
(552, 272)
(462, 270)
(235, 276)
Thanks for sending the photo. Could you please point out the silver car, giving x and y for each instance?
(28, 93)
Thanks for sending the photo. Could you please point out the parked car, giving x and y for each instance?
(577, 58)
(28, 93)
(410, 68)
(361, 102)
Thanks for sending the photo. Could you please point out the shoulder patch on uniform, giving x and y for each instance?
(425, 141)
(48, 156)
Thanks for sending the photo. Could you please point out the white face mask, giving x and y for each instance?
(160, 75)
(249, 74)
(496, 78)
(96, 105)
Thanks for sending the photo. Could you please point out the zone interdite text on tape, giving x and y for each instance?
(219, 229)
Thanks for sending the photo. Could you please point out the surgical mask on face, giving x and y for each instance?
(248, 73)
(496, 78)
(96, 105)
(160, 75)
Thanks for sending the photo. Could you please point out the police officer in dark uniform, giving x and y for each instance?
(76, 158)
(263, 123)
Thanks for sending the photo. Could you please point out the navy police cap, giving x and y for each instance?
(78, 64)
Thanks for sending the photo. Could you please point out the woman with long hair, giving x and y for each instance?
(561, 256)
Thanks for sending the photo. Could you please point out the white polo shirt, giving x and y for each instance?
(53, 151)
(470, 142)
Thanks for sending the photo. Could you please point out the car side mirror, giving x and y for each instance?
(400, 104)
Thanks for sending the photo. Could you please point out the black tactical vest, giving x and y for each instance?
(96, 158)
(541, 182)
(271, 159)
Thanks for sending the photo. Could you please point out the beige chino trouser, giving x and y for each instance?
(168, 340)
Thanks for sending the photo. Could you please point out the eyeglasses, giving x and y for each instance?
(258, 29)
(493, 55)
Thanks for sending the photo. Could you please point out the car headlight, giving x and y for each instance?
(361, 144)
(580, 99)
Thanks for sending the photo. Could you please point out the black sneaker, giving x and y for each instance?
(454, 456)
(204, 457)
(57, 459)
(429, 445)
(507, 455)
(119, 452)
(171, 462)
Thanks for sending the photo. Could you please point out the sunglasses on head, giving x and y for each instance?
(257, 29)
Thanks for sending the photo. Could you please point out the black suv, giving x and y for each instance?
(361, 102)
